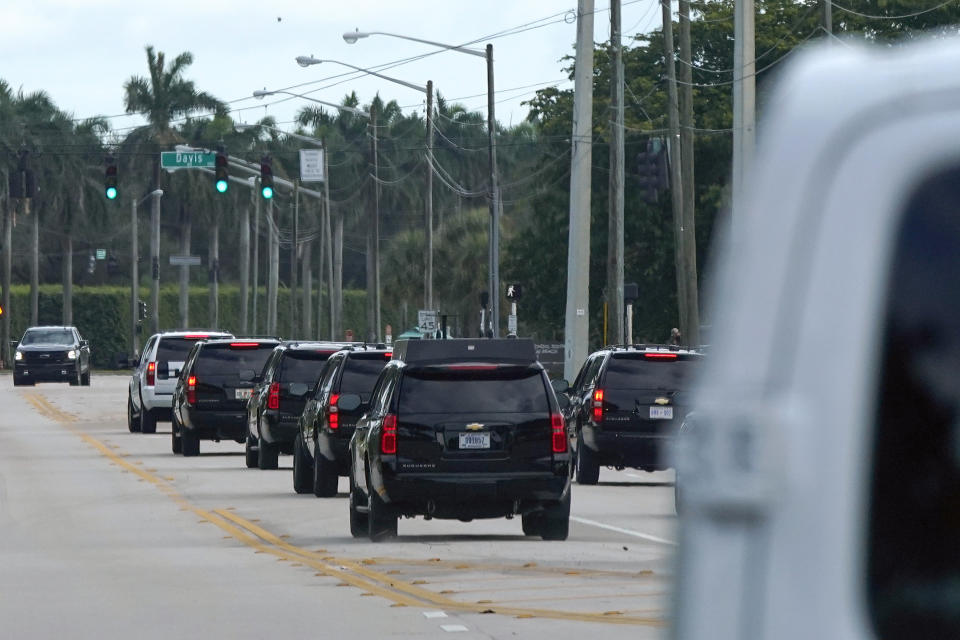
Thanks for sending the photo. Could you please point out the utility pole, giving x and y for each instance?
(428, 275)
(34, 265)
(294, 329)
(256, 257)
(134, 280)
(373, 240)
(186, 226)
(691, 333)
(673, 150)
(273, 271)
(615, 232)
(744, 96)
(324, 257)
(828, 16)
(334, 282)
(155, 254)
(495, 292)
(7, 268)
(306, 288)
(213, 277)
(577, 319)
(245, 263)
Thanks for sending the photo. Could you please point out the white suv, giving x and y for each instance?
(153, 381)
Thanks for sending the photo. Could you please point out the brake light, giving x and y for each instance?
(151, 373)
(388, 436)
(244, 345)
(558, 436)
(598, 405)
(388, 355)
(334, 419)
(273, 396)
(192, 390)
(660, 356)
(196, 336)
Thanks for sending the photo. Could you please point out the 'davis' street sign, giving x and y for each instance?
(186, 159)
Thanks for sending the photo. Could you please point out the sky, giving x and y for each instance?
(82, 51)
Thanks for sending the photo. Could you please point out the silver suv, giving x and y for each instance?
(153, 381)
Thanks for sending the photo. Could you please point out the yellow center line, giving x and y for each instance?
(397, 591)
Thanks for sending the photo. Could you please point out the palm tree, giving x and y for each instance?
(161, 98)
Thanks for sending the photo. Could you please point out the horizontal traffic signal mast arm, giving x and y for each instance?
(256, 173)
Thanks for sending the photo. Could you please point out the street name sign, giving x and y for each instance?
(101, 254)
(171, 160)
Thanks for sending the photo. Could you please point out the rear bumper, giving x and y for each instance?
(153, 399)
(217, 425)
(625, 449)
(55, 372)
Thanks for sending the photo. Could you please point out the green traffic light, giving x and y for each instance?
(111, 193)
(267, 192)
(222, 186)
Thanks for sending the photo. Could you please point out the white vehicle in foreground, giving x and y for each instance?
(821, 485)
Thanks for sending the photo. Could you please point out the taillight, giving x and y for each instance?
(660, 356)
(273, 396)
(192, 390)
(598, 405)
(559, 435)
(151, 373)
(244, 345)
(334, 419)
(388, 436)
(388, 355)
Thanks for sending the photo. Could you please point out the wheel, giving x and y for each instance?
(532, 523)
(302, 478)
(133, 423)
(381, 521)
(588, 470)
(325, 478)
(252, 454)
(22, 381)
(176, 441)
(148, 421)
(358, 521)
(555, 520)
(75, 380)
(268, 454)
(85, 379)
(189, 443)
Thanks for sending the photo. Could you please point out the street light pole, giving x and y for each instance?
(134, 269)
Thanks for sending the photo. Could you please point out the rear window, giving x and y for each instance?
(360, 372)
(302, 366)
(173, 349)
(222, 360)
(636, 371)
(505, 390)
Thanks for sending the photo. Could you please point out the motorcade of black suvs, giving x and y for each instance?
(321, 453)
(278, 398)
(152, 382)
(210, 399)
(51, 354)
(461, 429)
(626, 405)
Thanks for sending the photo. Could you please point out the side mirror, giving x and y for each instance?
(563, 401)
(14, 343)
(349, 402)
(84, 343)
(560, 386)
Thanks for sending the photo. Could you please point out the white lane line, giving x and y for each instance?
(453, 627)
(434, 614)
(629, 532)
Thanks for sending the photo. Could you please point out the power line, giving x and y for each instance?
(900, 17)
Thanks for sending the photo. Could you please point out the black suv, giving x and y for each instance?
(215, 383)
(51, 354)
(273, 411)
(321, 455)
(461, 429)
(626, 405)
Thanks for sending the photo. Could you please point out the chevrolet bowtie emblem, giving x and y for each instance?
(474, 426)
(662, 401)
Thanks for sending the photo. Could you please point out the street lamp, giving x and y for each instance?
(306, 61)
(134, 275)
(494, 251)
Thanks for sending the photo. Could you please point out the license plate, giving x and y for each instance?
(474, 440)
(242, 394)
(661, 413)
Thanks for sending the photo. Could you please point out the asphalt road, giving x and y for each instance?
(106, 534)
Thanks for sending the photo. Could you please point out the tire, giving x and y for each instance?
(176, 441)
(532, 523)
(85, 379)
(75, 380)
(358, 521)
(133, 424)
(148, 421)
(21, 382)
(252, 455)
(189, 443)
(555, 520)
(381, 521)
(325, 478)
(588, 469)
(268, 455)
(302, 478)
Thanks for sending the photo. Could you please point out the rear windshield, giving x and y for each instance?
(440, 390)
(639, 372)
(48, 336)
(173, 349)
(222, 360)
(302, 366)
(361, 371)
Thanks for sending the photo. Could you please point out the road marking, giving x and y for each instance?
(349, 572)
(434, 614)
(453, 628)
(629, 532)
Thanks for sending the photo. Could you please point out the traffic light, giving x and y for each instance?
(652, 170)
(222, 180)
(110, 179)
(266, 177)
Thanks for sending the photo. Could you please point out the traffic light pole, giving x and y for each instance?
(134, 280)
